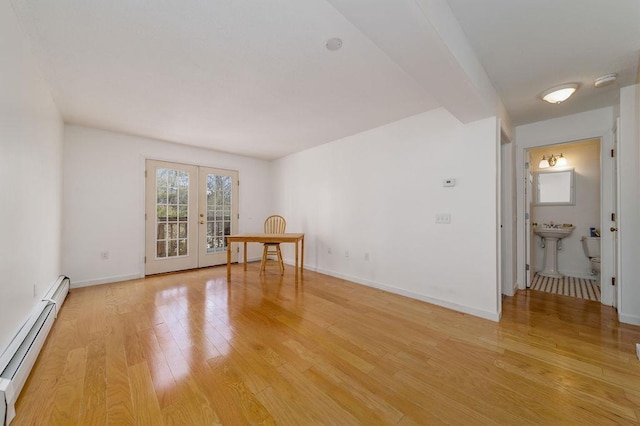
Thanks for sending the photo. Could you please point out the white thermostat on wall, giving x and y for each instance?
(449, 182)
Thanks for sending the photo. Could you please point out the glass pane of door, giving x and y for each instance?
(172, 212)
(218, 211)
(219, 196)
(171, 218)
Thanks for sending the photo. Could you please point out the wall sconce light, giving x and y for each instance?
(553, 160)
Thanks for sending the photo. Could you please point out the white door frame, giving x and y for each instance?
(608, 197)
(168, 263)
(499, 218)
(197, 218)
(508, 217)
(608, 292)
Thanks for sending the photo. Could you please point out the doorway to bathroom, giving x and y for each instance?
(569, 196)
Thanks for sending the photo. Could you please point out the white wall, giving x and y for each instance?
(104, 199)
(30, 180)
(629, 214)
(378, 193)
(584, 158)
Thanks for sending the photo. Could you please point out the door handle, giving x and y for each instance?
(613, 229)
(202, 222)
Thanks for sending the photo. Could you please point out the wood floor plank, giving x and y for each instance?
(252, 409)
(68, 391)
(490, 389)
(166, 387)
(332, 372)
(145, 404)
(612, 398)
(315, 400)
(93, 409)
(285, 407)
(193, 409)
(119, 404)
(36, 401)
(193, 348)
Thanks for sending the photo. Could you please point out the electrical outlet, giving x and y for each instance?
(329, 250)
(346, 253)
(104, 255)
(443, 218)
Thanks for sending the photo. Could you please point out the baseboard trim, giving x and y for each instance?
(492, 316)
(629, 319)
(515, 288)
(511, 291)
(105, 280)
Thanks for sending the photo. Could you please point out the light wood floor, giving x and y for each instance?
(188, 349)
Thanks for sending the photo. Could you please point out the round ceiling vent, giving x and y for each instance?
(334, 43)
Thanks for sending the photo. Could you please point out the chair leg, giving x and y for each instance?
(264, 258)
(280, 259)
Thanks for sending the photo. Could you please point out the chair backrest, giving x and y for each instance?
(275, 225)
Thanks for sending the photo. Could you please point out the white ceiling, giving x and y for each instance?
(254, 77)
(528, 46)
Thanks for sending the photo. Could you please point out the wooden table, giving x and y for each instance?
(298, 239)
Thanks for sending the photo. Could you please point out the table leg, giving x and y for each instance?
(245, 255)
(228, 260)
(302, 259)
(296, 260)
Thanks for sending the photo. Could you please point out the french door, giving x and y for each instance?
(189, 212)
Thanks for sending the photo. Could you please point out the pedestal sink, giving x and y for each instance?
(551, 237)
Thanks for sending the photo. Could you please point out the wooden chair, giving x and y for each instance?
(274, 224)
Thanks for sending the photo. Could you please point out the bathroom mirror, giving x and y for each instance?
(554, 188)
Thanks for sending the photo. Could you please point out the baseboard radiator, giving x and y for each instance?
(21, 354)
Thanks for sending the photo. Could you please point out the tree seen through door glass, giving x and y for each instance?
(172, 199)
(218, 210)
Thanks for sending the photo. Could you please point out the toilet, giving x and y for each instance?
(591, 246)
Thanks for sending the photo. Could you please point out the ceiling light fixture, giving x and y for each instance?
(605, 80)
(334, 43)
(553, 160)
(558, 94)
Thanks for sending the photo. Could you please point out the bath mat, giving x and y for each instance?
(567, 286)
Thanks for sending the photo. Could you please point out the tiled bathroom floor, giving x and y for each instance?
(567, 286)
